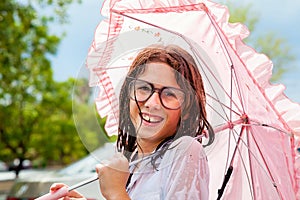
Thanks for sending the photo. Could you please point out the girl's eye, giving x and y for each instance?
(169, 93)
(144, 88)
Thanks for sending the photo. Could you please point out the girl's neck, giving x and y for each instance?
(142, 151)
(145, 147)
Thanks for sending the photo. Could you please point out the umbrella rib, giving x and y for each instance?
(216, 96)
(269, 126)
(246, 126)
(229, 60)
(219, 113)
(251, 169)
(249, 180)
(267, 171)
(238, 141)
(223, 105)
(238, 90)
(230, 168)
(196, 53)
(219, 84)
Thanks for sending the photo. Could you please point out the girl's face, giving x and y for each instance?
(157, 122)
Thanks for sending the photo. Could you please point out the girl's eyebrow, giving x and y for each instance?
(161, 86)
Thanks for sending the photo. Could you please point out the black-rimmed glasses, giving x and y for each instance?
(170, 97)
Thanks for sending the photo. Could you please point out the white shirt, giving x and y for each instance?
(182, 173)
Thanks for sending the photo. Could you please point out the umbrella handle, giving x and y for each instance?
(62, 192)
(226, 179)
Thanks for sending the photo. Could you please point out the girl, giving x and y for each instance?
(162, 116)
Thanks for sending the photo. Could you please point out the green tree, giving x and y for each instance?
(273, 46)
(35, 111)
(54, 138)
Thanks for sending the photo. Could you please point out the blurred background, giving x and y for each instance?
(44, 45)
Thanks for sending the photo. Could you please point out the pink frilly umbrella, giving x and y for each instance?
(254, 155)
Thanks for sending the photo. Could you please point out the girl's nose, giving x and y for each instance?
(153, 101)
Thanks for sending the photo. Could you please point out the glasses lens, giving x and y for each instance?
(140, 90)
(172, 98)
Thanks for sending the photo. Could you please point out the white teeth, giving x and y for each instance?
(147, 118)
(151, 119)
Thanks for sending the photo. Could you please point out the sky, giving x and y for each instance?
(276, 16)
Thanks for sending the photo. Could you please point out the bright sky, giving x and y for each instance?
(276, 16)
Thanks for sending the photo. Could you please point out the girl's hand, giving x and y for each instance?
(113, 177)
(70, 195)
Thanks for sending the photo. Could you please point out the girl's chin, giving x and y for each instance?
(147, 134)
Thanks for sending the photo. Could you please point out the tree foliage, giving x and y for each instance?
(35, 111)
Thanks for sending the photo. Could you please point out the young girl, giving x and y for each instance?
(162, 119)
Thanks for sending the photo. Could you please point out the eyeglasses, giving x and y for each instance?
(171, 98)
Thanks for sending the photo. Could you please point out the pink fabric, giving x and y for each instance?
(265, 156)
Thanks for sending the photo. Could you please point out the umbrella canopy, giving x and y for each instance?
(254, 154)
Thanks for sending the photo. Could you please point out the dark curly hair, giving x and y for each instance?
(193, 114)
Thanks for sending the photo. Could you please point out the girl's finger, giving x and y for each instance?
(54, 195)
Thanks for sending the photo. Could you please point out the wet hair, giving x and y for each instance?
(193, 120)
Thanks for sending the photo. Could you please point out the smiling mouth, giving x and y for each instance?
(151, 119)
